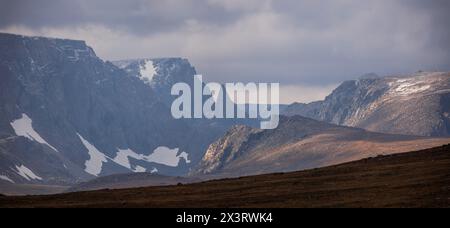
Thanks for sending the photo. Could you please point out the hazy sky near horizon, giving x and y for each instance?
(307, 46)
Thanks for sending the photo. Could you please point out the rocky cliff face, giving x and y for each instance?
(226, 149)
(300, 143)
(414, 105)
(66, 115)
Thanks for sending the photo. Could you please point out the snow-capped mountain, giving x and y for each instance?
(416, 104)
(68, 116)
(160, 74)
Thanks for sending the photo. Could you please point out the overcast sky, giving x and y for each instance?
(308, 46)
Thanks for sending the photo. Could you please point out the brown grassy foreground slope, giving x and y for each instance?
(416, 179)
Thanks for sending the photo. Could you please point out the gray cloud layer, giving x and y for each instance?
(136, 16)
(295, 42)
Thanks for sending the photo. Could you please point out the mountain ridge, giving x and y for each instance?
(90, 112)
(417, 104)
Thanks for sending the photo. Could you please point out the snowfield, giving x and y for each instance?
(410, 86)
(95, 163)
(419, 83)
(24, 127)
(148, 71)
(139, 169)
(27, 173)
(6, 178)
(122, 158)
(161, 155)
(166, 156)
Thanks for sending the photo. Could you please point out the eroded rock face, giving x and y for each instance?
(226, 149)
(413, 105)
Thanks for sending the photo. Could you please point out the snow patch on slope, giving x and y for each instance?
(407, 87)
(161, 155)
(95, 163)
(122, 158)
(6, 178)
(414, 85)
(27, 173)
(167, 156)
(24, 127)
(148, 71)
(139, 169)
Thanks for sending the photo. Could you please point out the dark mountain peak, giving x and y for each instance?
(158, 70)
(74, 50)
(40, 65)
(86, 117)
(160, 73)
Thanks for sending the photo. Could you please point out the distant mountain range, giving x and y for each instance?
(416, 104)
(67, 116)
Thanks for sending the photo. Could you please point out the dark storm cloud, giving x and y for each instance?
(136, 16)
